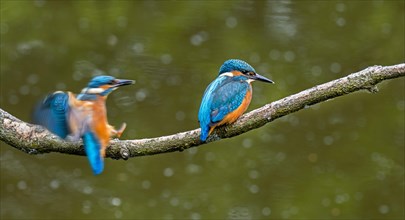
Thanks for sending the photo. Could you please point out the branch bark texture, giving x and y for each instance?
(34, 139)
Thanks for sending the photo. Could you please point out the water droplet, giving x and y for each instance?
(231, 22)
(340, 22)
(196, 40)
(254, 188)
(146, 184)
(122, 21)
(138, 48)
(22, 185)
(13, 99)
(180, 116)
(86, 207)
(247, 143)
(24, 90)
(195, 216)
(118, 214)
(316, 70)
(266, 211)
(192, 151)
(166, 58)
(168, 172)
(193, 168)
(87, 190)
(335, 67)
(328, 140)
(54, 184)
(115, 201)
(384, 209)
(280, 156)
(254, 174)
(341, 198)
(289, 56)
(174, 201)
(33, 79)
(199, 38)
(239, 213)
(112, 40)
(141, 95)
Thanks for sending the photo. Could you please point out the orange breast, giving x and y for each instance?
(100, 123)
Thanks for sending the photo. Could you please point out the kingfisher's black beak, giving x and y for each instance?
(123, 82)
(259, 77)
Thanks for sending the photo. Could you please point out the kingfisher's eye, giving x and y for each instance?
(245, 71)
(112, 82)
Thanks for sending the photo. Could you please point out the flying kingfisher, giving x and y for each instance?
(228, 96)
(83, 116)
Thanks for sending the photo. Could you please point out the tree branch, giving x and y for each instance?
(34, 139)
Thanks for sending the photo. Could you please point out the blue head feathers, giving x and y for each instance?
(104, 85)
(235, 64)
(98, 81)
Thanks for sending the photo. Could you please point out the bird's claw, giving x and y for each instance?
(119, 132)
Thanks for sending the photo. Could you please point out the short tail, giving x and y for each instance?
(205, 131)
(92, 147)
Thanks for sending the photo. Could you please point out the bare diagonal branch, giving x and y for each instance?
(34, 139)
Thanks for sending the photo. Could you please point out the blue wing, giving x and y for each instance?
(57, 116)
(52, 113)
(227, 99)
(92, 147)
(223, 96)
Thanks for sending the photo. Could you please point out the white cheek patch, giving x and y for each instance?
(227, 74)
(250, 80)
(92, 90)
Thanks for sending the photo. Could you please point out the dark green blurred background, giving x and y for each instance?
(341, 159)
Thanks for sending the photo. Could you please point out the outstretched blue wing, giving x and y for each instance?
(223, 96)
(57, 116)
(52, 113)
(92, 147)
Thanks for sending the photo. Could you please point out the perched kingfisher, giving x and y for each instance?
(228, 96)
(83, 116)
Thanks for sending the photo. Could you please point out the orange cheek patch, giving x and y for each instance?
(105, 87)
(236, 73)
